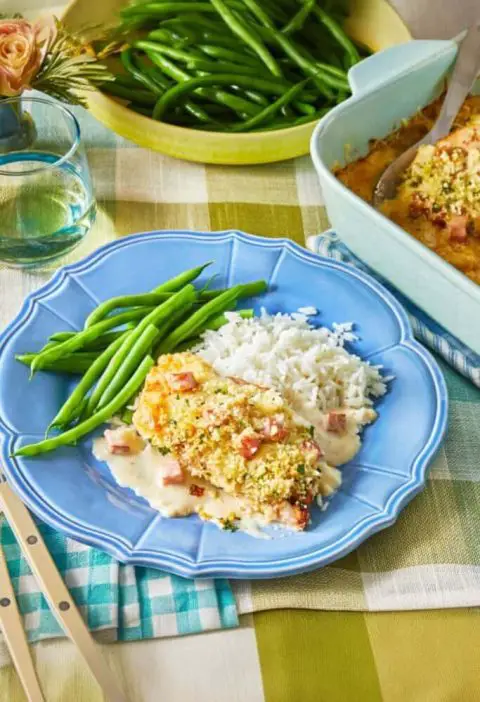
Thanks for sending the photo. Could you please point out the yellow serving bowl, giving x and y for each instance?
(373, 23)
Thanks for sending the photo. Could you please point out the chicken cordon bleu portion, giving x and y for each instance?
(237, 437)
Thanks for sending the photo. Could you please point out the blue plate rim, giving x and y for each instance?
(224, 567)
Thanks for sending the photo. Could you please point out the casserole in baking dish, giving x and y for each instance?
(388, 88)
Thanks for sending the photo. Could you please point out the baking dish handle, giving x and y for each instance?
(382, 67)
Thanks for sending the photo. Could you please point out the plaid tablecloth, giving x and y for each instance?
(310, 651)
(118, 602)
(430, 559)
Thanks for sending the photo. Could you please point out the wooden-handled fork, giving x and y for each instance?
(58, 597)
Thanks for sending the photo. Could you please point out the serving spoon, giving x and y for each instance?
(463, 77)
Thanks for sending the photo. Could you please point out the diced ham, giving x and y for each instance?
(183, 382)
(439, 221)
(123, 441)
(274, 428)
(337, 422)
(196, 490)
(457, 229)
(249, 446)
(417, 206)
(170, 470)
(311, 446)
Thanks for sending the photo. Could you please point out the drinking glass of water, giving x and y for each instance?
(46, 199)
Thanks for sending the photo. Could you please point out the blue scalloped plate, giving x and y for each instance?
(74, 493)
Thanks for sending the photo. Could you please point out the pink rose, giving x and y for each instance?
(23, 47)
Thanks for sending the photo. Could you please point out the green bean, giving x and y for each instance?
(76, 432)
(296, 122)
(205, 65)
(70, 364)
(127, 416)
(252, 95)
(298, 20)
(189, 33)
(182, 300)
(167, 37)
(337, 32)
(255, 287)
(166, 100)
(139, 350)
(284, 42)
(108, 338)
(197, 320)
(142, 97)
(84, 337)
(154, 79)
(170, 51)
(275, 11)
(217, 322)
(235, 103)
(101, 343)
(141, 300)
(151, 72)
(240, 29)
(81, 356)
(201, 20)
(271, 110)
(224, 54)
(126, 80)
(160, 35)
(126, 58)
(187, 344)
(333, 70)
(66, 412)
(52, 342)
(286, 111)
(304, 107)
(177, 283)
(156, 9)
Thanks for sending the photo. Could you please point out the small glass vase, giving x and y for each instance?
(17, 129)
(47, 203)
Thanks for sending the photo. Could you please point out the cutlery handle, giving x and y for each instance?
(464, 74)
(14, 634)
(56, 592)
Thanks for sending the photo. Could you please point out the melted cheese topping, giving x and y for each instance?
(438, 201)
(204, 429)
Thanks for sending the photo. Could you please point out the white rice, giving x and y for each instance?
(310, 366)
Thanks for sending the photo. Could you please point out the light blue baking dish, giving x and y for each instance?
(388, 87)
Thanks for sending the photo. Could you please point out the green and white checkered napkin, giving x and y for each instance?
(120, 602)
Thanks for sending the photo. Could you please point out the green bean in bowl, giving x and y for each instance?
(231, 66)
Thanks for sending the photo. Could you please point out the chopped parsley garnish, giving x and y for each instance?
(301, 469)
(163, 450)
(311, 431)
(229, 525)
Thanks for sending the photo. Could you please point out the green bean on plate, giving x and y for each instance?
(121, 340)
(232, 66)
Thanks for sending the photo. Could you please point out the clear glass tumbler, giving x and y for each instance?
(46, 198)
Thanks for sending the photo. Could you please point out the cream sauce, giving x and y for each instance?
(141, 472)
(337, 448)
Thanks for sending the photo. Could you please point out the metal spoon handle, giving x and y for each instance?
(463, 77)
